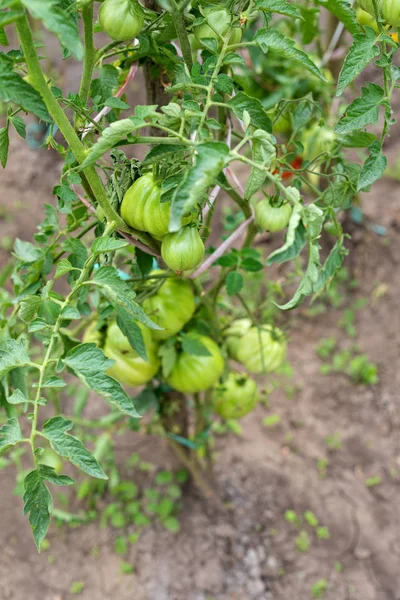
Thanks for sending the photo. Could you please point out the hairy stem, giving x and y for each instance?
(180, 27)
(90, 55)
(67, 130)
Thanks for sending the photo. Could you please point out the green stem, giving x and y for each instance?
(85, 274)
(90, 54)
(180, 26)
(67, 130)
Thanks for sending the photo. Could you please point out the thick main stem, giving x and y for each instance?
(67, 130)
(90, 55)
(180, 27)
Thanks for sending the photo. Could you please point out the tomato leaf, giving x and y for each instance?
(89, 363)
(119, 294)
(273, 39)
(209, 161)
(63, 267)
(343, 10)
(161, 151)
(10, 434)
(113, 134)
(373, 168)
(15, 356)
(168, 357)
(55, 430)
(361, 52)
(132, 331)
(14, 89)
(192, 345)
(4, 145)
(281, 7)
(259, 118)
(362, 111)
(107, 244)
(56, 20)
(234, 283)
(38, 501)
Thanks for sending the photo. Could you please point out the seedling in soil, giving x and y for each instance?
(373, 481)
(319, 588)
(302, 541)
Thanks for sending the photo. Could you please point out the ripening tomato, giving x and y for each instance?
(272, 218)
(192, 374)
(171, 307)
(389, 10)
(236, 396)
(122, 20)
(233, 335)
(218, 19)
(183, 250)
(129, 367)
(262, 350)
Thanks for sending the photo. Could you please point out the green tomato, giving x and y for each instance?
(366, 19)
(171, 307)
(272, 218)
(236, 396)
(331, 228)
(389, 10)
(51, 459)
(282, 124)
(262, 350)
(218, 19)
(122, 20)
(183, 250)
(317, 140)
(233, 335)
(192, 374)
(129, 367)
(141, 207)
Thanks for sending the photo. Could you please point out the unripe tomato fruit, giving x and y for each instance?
(220, 20)
(129, 367)
(192, 374)
(171, 307)
(50, 458)
(142, 208)
(272, 218)
(317, 140)
(234, 333)
(235, 397)
(122, 20)
(183, 250)
(389, 10)
(366, 19)
(262, 350)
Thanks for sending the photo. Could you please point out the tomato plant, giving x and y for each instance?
(148, 269)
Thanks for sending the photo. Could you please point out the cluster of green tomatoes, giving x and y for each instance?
(123, 20)
(172, 306)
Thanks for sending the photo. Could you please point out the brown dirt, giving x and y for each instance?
(247, 552)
